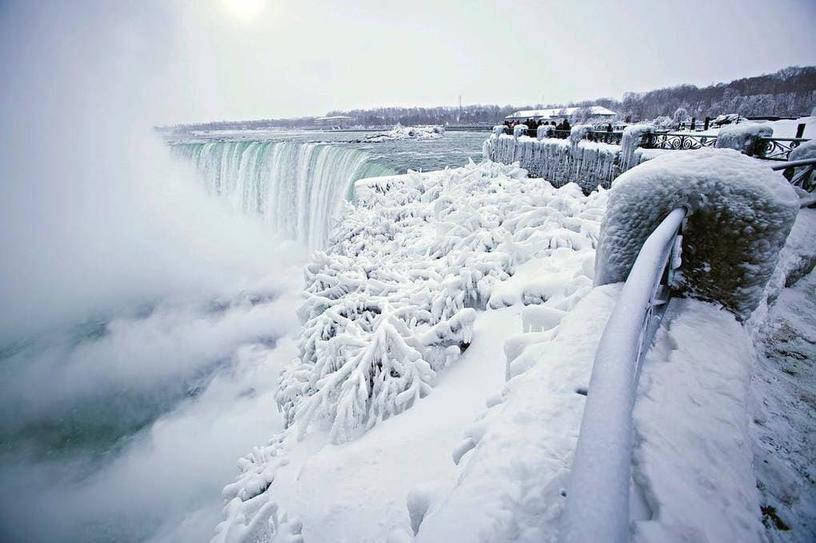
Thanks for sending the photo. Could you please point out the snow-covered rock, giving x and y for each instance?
(739, 215)
(742, 137)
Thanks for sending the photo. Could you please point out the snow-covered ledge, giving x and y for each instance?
(740, 214)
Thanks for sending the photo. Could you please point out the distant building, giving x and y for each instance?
(334, 121)
(552, 114)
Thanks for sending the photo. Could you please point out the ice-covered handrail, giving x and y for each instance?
(800, 179)
(598, 495)
(794, 164)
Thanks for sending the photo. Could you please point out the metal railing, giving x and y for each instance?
(765, 148)
(777, 148)
(800, 173)
(679, 141)
(598, 495)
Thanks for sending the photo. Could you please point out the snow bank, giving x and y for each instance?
(743, 137)
(586, 163)
(786, 128)
(804, 151)
(740, 213)
(692, 458)
(783, 415)
(515, 460)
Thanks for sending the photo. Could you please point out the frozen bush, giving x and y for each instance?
(740, 213)
(519, 130)
(392, 300)
(663, 121)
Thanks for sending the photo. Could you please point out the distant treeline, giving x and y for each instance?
(790, 92)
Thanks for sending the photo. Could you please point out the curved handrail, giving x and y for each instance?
(598, 495)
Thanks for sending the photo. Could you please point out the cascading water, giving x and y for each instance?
(296, 187)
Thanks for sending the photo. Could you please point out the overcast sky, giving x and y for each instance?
(241, 59)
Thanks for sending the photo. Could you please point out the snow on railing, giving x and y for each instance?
(803, 178)
(598, 495)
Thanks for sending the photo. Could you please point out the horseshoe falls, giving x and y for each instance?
(295, 187)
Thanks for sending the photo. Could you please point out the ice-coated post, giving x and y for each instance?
(800, 130)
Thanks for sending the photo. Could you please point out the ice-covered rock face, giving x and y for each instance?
(742, 137)
(740, 213)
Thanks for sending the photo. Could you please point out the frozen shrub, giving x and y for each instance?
(392, 300)
(740, 213)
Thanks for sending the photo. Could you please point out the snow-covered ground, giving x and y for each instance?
(482, 279)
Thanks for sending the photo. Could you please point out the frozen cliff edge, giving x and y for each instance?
(452, 263)
(517, 256)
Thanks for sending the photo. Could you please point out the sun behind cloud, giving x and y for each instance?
(245, 10)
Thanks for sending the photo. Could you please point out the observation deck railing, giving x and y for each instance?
(598, 495)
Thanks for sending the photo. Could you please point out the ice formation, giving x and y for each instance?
(630, 141)
(400, 132)
(514, 460)
(740, 213)
(586, 163)
(423, 265)
(391, 302)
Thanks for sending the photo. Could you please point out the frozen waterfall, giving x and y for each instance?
(296, 187)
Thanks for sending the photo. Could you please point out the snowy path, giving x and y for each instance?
(397, 455)
(692, 457)
(784, 416)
